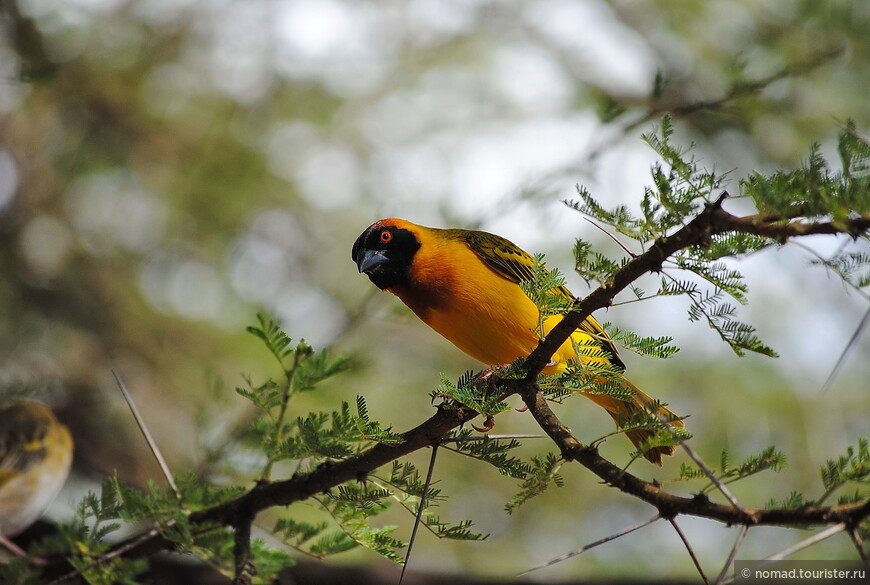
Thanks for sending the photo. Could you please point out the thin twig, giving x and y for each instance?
(806, 543)
(853, 534)
(827, 264)
(852, 131)
(147, 434)
(420, 508)
(604, 540)
(865, 320)
(707, 471)
(740, 536)
(688, 546)
(637, 300)
(490, 437)
(612, 237)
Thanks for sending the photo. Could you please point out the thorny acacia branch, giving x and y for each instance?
(670, 505)
(712, 220)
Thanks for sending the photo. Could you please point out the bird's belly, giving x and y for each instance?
(488, 341)
(493, 322)
(495, 341)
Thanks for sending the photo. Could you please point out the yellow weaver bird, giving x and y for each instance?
(35, 456)
(464, 284)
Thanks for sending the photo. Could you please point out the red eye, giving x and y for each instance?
(386, 236)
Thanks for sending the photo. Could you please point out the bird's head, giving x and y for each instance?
(385, 251)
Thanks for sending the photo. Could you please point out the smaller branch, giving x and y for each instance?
(859, 330)
(670, 505)
(865, 320)
(630, 301)
(421, 507)
(691, 552)
(612, 237)
(808, 542)
(12, 547)
(736, 91)
(710, 221)
(852, 132)
(330, 474)
(286, 393)
(740, 536)
(152, 444)
(827, 264)
(707, 471)
(244, 569)
(853, 534)
(769, 228)
(299, 487)
(814, 539)
(592, 545)
(491, 438)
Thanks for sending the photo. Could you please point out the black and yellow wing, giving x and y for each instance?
(511, 262)
(23, 430)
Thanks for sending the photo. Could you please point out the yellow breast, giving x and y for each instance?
(482, 313)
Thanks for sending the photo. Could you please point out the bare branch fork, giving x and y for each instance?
(712, 220)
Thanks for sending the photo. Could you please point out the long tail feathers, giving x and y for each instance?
(624, 411)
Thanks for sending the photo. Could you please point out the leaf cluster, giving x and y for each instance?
(546, 288)
(543, 472)
(815, 190)
(321, 437)
(681, 188)
(413, 491)
(85, 540)
(474, 392)
(593, 266)
(768, 459)
(282, 437)
(851, 467)
(594, 374)
(658, 347)
(496, 452)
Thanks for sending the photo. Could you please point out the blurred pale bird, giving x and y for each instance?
(35, 457)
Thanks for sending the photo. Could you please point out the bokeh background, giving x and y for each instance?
(170, 167)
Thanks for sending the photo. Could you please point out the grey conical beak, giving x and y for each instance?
(369, 259)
